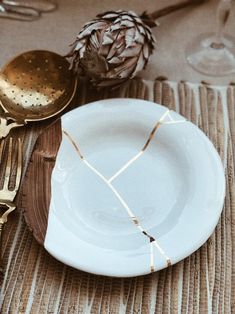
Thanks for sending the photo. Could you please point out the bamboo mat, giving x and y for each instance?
(202, 283)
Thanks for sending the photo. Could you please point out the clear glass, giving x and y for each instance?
(214, 54)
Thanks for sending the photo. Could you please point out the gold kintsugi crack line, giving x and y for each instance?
(74, 144)
(125, 166)
(124, 204)
(155, 128)
(134, 219)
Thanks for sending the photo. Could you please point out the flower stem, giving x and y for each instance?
(172, 8)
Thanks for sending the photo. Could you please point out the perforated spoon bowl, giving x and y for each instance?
(34, 86)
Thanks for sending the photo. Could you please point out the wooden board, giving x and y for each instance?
(39, 171)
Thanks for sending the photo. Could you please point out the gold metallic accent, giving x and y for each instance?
(123, 168)
(151, 136)
(155, 128)
(135, 220)
(158, 124)
(74, 144)
(7, 194)
(152, 240)
(34, 86)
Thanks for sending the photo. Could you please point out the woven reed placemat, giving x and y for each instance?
(202, 283)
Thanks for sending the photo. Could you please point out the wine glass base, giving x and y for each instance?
(207, 57)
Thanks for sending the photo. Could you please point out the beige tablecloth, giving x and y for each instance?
(57, 30)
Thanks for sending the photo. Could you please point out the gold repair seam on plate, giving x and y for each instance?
(135, 220)
(160, 122)
(152, 240)
(152, 133)
(123, 168)
(151, 136)
(108, 182)
(155, 128)
(74, 144)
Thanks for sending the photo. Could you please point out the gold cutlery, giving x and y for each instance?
(34, 86)
(20, 12)
(38, 5)
(25, 10)
(11, 168)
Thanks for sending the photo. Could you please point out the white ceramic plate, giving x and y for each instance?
(175, 189)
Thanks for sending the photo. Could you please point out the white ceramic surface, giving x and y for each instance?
(176, 189)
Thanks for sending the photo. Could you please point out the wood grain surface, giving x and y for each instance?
(203, 283)
(39, 170)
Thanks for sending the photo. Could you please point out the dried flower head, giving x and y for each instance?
(113, 47)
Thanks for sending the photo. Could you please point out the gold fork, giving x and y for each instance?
(7, 194)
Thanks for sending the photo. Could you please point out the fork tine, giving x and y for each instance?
(8, 166)
(19, 165)
(1, 149)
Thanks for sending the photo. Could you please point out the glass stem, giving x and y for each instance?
(222, 16)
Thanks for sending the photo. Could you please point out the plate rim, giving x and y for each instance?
(82, 267)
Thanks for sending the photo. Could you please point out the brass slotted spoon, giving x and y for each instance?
(34, 86)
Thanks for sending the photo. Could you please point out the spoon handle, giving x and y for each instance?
(38, 5)
(20, 13)
(6, 127)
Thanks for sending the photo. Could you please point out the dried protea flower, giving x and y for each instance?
(113, 47)
(116, 45)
